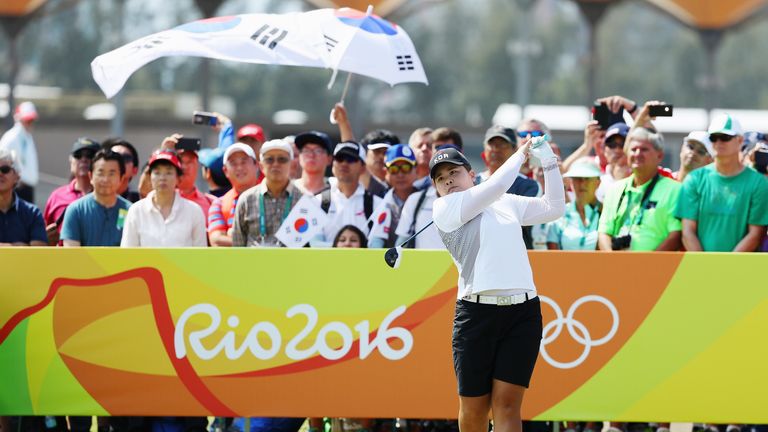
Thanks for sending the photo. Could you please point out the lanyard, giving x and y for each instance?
(643, 201)
(263, 217)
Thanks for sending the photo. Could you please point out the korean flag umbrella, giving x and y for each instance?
(343, 39)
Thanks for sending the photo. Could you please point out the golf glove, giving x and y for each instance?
(540, 151)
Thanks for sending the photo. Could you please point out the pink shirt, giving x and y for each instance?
(58, 201)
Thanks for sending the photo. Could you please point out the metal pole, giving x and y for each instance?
(117, 125)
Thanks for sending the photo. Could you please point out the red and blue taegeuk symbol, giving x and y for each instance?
(210, 25)
(382, 218)
(369, 23)
(301, 225)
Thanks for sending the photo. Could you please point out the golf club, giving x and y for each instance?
(392, 256)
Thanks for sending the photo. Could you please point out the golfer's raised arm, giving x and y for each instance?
(551, 205)
(481, 196)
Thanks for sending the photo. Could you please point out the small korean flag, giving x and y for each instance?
(305, 221)
(382, 219)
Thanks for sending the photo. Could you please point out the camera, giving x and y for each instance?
(621, 243)
(761, 158)
(660, 110)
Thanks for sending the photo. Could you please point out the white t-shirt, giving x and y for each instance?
(145, 226)
(481, 228)
(345, 211)
(19, 140)
(429, 239)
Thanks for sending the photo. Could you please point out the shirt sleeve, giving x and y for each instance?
(446, 212)
(216, 219)
(70, 229)
(240, 228)
(551, 206)
(554, 233)
(226, 136)
(130, 230)
(758, 209)
(37, 226)
(673, 222)
(607, 223)
(479, 197)
(407, 215)
(688, 201)
(199, 234)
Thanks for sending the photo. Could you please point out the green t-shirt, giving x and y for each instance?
(649, 226)
(723, 206)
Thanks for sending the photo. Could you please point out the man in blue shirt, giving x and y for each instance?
(97, 219)
(21, 223)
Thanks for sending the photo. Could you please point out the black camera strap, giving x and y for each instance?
(643, 201)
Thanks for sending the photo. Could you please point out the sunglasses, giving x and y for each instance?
(5, 169)
(614, 144)
(405, 169)
(83, 154)
(720, 137)
(697, 150)
(532, 133)
(280, 160)
(345, 158)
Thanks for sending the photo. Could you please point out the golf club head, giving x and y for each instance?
(392, 257)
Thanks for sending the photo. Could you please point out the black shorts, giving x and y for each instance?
(495, 342)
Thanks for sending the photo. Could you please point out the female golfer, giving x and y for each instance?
(497, 327)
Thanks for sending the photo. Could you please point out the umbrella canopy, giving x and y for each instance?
(18, 8)
(343, 39)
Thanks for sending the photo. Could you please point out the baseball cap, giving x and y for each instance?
(400, 152)
(725, 124)
(314, 137)
(379, 145)
(448, 155)
(238, 147)
(583, 169)
(700, 137)
(167, 156)
(350, 148)
(213, 159)
(617, 129)
(251, 130)
(85, 143)
(277, 144)
(25, 111)
(498, 131)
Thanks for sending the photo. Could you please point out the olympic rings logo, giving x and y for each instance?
(576, 329)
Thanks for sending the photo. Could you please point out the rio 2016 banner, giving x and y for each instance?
(627, 337)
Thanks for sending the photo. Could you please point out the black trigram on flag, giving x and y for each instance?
(404, 62)
(330, 43)
(269, 36)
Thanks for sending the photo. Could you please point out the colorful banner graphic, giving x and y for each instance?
(277, 332)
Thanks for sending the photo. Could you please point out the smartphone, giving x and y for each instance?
(188, 144)
(660, 110)
(605, 117)
(204, 118)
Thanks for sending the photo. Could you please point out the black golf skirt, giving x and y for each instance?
(495, 342)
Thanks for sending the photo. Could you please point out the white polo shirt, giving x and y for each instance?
(429, 239)
(145, 226)
(345, 211)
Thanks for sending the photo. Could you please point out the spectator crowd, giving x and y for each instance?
(619, 198)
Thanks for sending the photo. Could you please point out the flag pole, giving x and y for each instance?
(368, 12)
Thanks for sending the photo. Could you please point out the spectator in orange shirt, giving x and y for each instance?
(241, 169)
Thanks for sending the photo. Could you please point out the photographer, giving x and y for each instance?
(638, 212)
